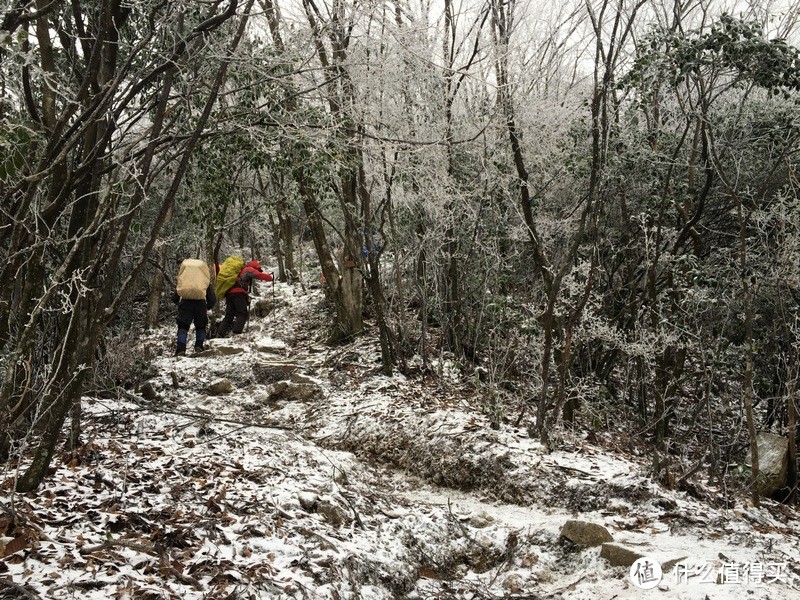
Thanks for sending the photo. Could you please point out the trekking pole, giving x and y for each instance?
(273, 287)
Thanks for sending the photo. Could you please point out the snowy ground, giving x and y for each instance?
(314, 477)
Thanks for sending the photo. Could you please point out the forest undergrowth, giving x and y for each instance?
(276, 466)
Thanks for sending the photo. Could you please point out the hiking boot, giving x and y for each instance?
(180, 350)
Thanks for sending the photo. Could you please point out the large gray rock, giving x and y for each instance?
(619, 555)
(583, 533)
(773, 462)
(220, 387)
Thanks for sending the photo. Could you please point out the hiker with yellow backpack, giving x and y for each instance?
(233, 281)
(194, 295)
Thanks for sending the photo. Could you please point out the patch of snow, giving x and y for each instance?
(195, 496)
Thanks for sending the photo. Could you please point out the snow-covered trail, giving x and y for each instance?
(276, 467)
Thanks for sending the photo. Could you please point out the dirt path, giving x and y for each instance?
(276, 467)
(428, 449)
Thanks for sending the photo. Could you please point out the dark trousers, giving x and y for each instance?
(192, 311)
(235, 314)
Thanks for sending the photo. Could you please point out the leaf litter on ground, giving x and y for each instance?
(373, 487)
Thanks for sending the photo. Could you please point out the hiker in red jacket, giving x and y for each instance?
(236, 298)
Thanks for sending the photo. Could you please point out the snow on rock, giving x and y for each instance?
(308, 501)
(220, 387)
(269, 345)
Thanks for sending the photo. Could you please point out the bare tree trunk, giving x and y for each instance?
(156, 288)
(502, 26)
(329, 269)
(747, 380)
(372, 276)
(502, 16)
(287, 238)
(791, 427)
(399, 302)
(347, 287)
(791, 417)
(422, 293)
(63, 392)
(350, 292)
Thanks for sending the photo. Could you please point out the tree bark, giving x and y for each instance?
(791, 418)
(747, 379)
(347, 286)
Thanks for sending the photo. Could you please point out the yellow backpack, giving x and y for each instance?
(193, 279)
(228, 274)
